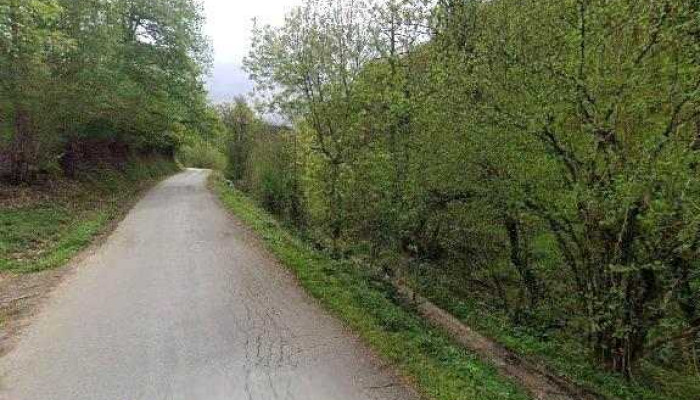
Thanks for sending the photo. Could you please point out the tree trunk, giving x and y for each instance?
(22, 147)
(519, 260)
(335, 208)
(69, 159)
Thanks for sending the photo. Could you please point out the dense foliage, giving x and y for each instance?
(89, 80)
(540, 156)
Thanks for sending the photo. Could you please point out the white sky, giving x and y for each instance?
(229, 23)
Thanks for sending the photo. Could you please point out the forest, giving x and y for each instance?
(532, 165)
(88, 82)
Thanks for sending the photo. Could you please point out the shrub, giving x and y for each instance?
(202, 155)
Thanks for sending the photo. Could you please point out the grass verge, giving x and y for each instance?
(44, 226)
(440, 369)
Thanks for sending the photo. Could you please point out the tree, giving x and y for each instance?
(125, 71)
(241, 124)
(541, 156)
(26, 27)
(307, 68)
(613, 111)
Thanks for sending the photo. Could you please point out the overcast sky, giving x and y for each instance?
(229, 23)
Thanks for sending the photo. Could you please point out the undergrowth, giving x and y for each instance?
(44, 225)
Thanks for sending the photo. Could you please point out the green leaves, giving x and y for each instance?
(541, 156)
(67, 66)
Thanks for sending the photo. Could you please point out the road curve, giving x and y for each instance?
(181, 303)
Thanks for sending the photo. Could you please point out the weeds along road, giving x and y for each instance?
(181, 303)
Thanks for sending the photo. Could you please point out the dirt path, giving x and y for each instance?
(541, 383)
(181, 303)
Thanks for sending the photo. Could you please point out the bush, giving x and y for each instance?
(202, 155)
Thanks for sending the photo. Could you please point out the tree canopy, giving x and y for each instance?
(541, 156)
(126, 71)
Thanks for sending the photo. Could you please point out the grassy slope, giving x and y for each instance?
(561, 354)
(439, 368)
(43, 227)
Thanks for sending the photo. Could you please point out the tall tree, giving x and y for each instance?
(28, 38)
(124, 70)
(308, 67)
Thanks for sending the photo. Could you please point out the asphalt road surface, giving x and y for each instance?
(182, 303)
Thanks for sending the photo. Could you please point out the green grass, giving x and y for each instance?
(439, 368)
(561, 353)
(48, 225)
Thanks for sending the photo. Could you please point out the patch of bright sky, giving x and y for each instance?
(229, 25)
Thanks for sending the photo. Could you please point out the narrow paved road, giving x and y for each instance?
(181, 303)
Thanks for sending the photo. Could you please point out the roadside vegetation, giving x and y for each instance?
(531, 166)
(366, 304)
(96, 98)
(43, 226)
(202, 154)
(85, 83)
